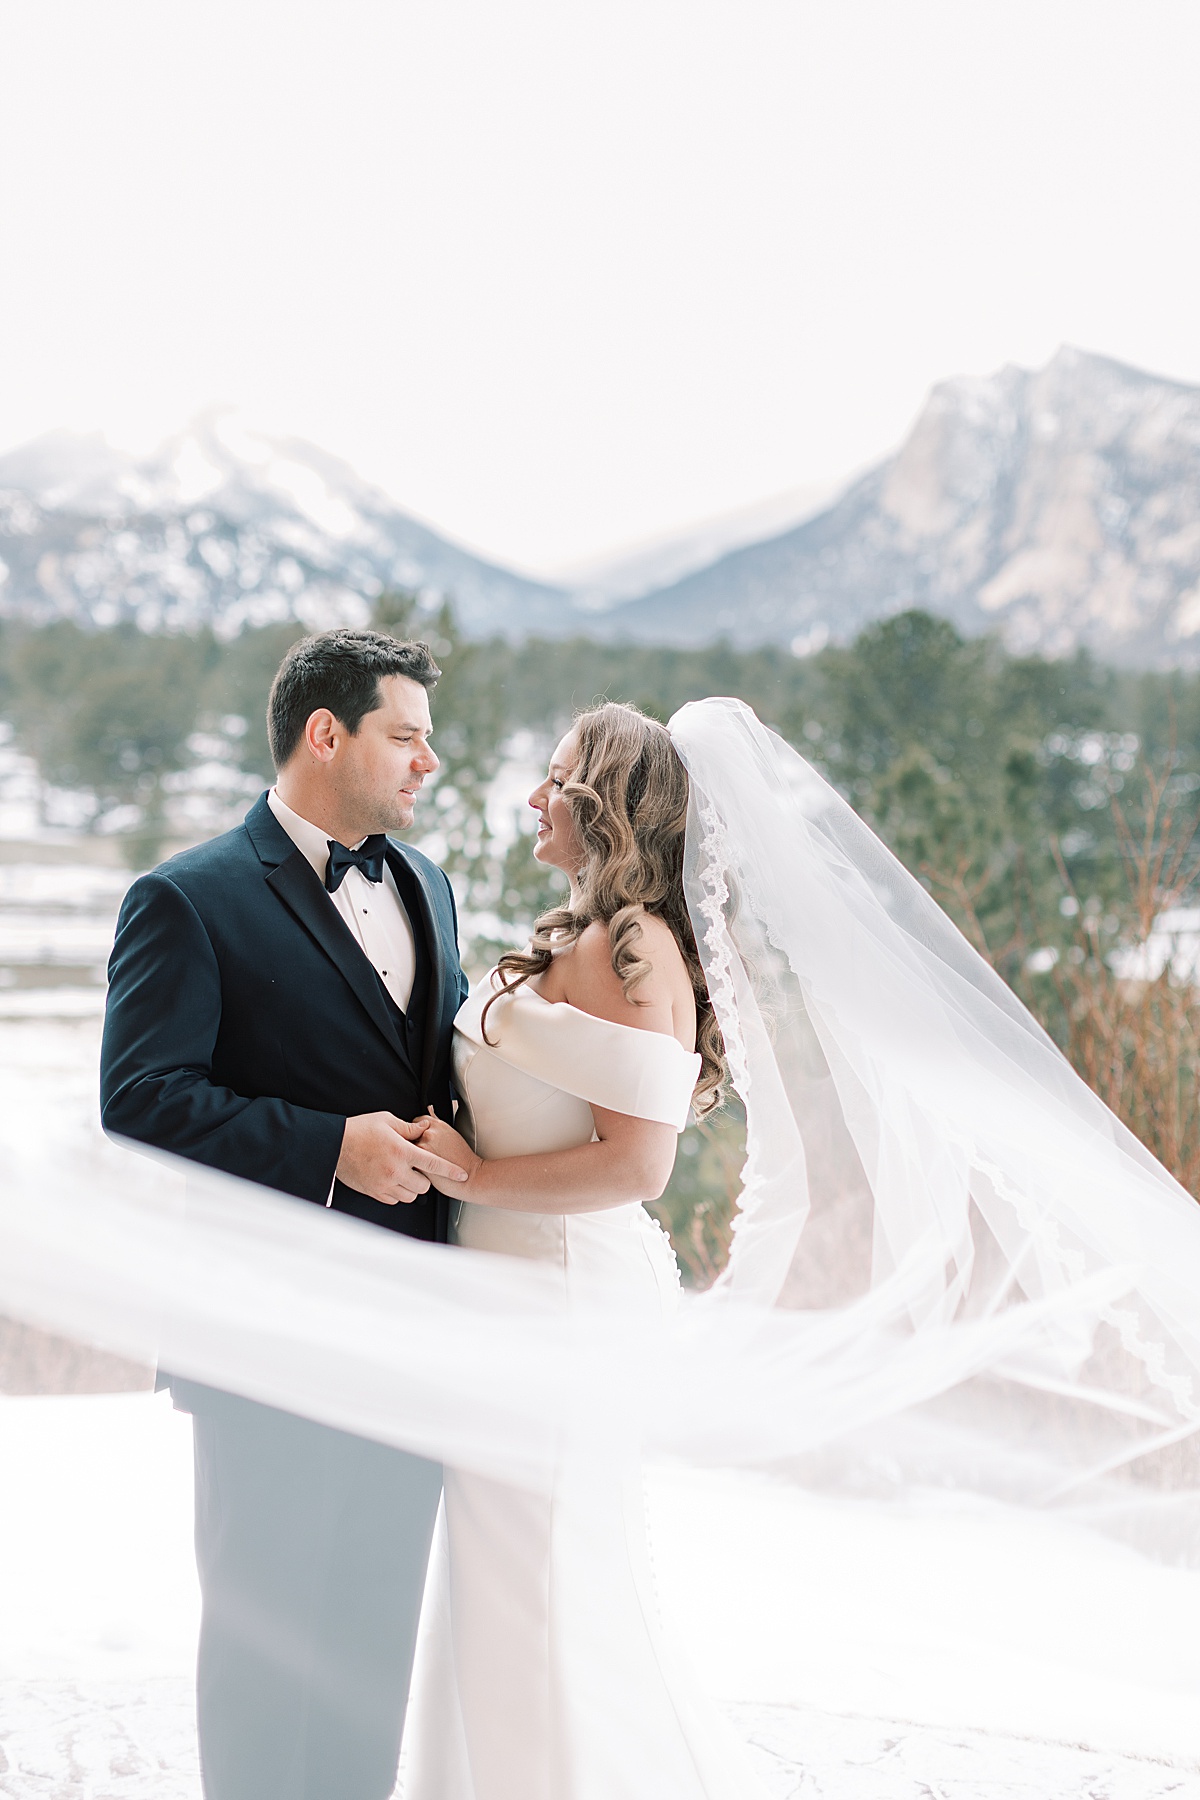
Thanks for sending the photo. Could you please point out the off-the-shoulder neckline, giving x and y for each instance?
(665, 1037)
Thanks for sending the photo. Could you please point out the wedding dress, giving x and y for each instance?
(548, 1673)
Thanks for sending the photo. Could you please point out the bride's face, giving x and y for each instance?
(557, 843)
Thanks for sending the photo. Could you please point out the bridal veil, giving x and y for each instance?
(912, 1130)
(951, 1263)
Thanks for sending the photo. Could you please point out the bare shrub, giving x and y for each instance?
(1120, 996)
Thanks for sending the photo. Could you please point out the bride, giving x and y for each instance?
(915, 1141)
(578, 1062)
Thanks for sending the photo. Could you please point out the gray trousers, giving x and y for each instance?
(312, 1547)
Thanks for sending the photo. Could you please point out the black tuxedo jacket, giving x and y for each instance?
(244, 1023)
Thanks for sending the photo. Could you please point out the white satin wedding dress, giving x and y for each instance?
(547, 1673)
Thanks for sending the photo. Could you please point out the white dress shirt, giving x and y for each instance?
(373, 910)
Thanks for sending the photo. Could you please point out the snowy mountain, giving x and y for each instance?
(643, 568)
(228, 527)
(1060, 507)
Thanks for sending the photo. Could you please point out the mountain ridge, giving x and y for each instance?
(1059, 507)
(226, 526)
(651, 564)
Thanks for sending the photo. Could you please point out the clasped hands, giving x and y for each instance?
(395, 1161)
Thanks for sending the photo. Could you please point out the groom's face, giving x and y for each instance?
(381, 769)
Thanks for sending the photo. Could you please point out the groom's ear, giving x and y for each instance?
(323, 731)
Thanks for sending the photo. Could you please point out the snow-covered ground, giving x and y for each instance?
(871, 1651)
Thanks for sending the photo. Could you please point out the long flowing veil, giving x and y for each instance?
(950, 1261)
(912, 1129)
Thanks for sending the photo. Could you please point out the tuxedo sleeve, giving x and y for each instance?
(160, 1029)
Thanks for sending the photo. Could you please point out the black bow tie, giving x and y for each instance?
(368, 857)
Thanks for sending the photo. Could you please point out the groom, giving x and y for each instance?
(280, 1006)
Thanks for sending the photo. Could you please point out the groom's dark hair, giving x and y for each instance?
(340, 670)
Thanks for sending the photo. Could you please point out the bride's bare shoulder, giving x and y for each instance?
(661, 1002)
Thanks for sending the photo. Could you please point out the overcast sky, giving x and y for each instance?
(564, 274)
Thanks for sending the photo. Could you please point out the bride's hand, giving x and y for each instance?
(452, 1147)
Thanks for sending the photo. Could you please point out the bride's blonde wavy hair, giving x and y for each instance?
(628, 796)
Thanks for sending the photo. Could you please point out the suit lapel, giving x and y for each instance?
(435, 941)
(306, 899)
(290, 876)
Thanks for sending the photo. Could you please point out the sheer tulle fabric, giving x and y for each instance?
(934, 1205)
(481, 1361)
(911, 1128)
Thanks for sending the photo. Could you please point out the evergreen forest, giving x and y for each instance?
(1050, 806)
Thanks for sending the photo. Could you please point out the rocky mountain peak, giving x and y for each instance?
(1058, 506)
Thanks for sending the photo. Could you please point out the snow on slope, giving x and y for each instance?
(226, 526)
(1060, 507)
(642, 568)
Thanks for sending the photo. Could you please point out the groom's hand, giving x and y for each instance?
(382, 1157)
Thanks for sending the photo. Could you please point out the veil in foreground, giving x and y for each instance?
(951, 1266)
